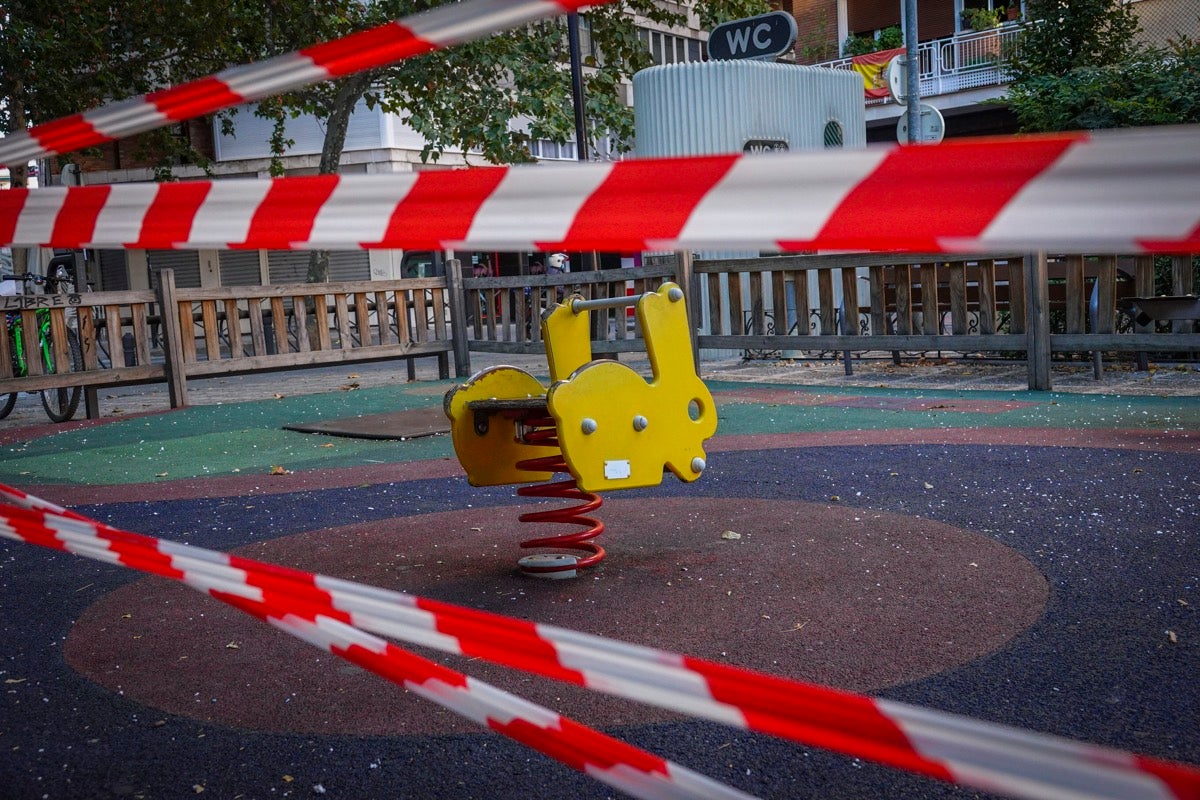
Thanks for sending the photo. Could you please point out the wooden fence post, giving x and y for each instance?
(1037, 321)
(691, 292)
(172, 340)
(1181, 284)
(458, 318)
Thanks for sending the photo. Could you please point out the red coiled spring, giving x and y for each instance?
(541, 430)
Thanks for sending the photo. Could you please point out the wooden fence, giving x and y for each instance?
(504, 314)
(1027, 307)
(172, 335)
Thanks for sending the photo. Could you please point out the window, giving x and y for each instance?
(667, 48)
(552, 151)
(984, 14)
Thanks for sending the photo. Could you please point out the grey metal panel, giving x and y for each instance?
(349, 265)
(185, 263)
(240, 268)
(287, 266)
(718, 106)
(291, 266)
(114, 276)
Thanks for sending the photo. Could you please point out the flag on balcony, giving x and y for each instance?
(873, 68)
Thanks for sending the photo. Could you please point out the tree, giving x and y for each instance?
(462, 98)
(1079, 66)
(1067, 34)
(61, 58)
(1154, 86)
(466, 97)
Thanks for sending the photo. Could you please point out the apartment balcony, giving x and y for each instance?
(958, 74)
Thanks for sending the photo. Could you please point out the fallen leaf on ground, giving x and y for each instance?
(731, 535)
(278, 470)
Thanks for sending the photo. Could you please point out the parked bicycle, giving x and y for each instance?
(62, 403)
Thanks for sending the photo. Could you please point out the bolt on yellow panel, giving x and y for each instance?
(488, 445)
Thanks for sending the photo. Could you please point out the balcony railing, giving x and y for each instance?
(964, 61)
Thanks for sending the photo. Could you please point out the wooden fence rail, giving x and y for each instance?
(172, 335)
(922, 303)
(503, 314)
(1022, 305)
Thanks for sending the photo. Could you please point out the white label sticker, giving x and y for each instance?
(616, 470)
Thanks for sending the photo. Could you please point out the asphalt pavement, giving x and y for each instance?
(1026, 558)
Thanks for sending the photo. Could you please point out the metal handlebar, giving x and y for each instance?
(39, 280)
(578, 306)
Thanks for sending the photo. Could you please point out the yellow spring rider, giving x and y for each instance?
(599, 421)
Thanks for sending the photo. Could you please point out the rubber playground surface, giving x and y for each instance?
(1024, 558)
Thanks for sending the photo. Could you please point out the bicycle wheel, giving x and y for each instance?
(6, 404)
(61, 404)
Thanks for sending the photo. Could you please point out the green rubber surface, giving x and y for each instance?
(249, 438)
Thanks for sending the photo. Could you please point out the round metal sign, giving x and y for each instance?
(933, 126)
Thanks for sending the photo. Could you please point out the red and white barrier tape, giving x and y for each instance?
(1121, 191)
(434, 29)
(945, 746)
(609, 760)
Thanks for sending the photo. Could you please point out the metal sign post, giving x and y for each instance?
(912, 58)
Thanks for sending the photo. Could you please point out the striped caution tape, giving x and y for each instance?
(1126, 192)
(434, 29)
(940, 745)
(310, 617)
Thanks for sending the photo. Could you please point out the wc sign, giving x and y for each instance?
(764, 36)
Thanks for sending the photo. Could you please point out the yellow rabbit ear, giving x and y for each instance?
(568, 337)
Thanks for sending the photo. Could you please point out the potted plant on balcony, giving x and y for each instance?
(1014, 11)
(980, 49)
(981, 19)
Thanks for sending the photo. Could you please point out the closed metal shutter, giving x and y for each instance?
(114, 277)
(349, 265)
(287, 266)
(186, 264)
(870, 15)
(291, 266)
(239, 268)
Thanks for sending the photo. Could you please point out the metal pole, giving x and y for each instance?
(913, 83)
(577, 98)
(581, 147)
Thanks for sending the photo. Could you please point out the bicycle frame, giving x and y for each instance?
(17, 331)
(56, 357)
